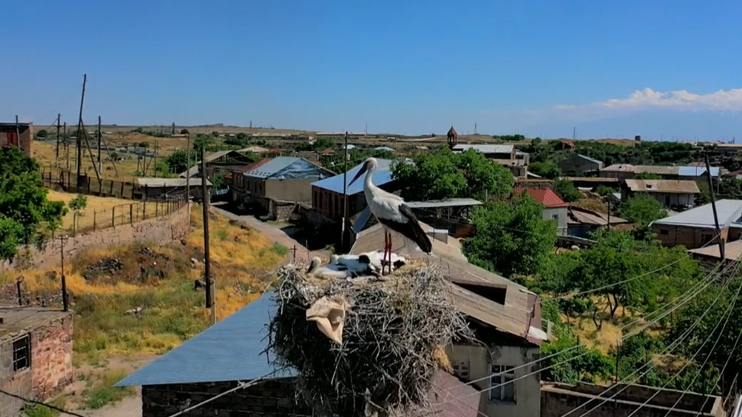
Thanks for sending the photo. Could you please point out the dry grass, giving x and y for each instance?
(95, 204)
(172, 311)
(609, 335)
(591, 204)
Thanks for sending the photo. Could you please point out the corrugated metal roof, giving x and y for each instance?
(663, 186)
(697, 171)
(169, 182)
(576, 215)
(587, 158)
(274, 166)
(484, 148)
(448, 397)
(254, 149)
(384, 148)
(729, 211)
(592, 179)
(732, 250)
(382, 176)
(227, 351)
(684, 171)
(544, 196)
(451, 202)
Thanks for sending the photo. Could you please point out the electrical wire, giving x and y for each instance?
(55, 408)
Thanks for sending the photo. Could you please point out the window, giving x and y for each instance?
(502, 387)
(555, 217)
(664, 232)
(22, 353)
(705, 238)
(461, 370)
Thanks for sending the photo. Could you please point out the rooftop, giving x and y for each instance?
(685, 171)
(451, 202)
(484, 148)
(288, 167)
(169, 182)
(577, 215)
(544, 196)
(592, 179)
(587, 158)
(17, 321)
(663, 186)
(732, 251)
(383, 175)
(729, 212)
(254, 149)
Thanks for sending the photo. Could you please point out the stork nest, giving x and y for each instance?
(392, 342)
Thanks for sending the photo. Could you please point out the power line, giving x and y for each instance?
(61, 410)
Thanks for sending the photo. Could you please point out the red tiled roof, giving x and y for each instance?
(275, 151)
(328, 151)
(569, 143)
(546, 197)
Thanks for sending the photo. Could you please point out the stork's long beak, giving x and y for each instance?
(358, 175)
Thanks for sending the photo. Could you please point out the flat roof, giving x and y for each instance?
(663, 186)
(18, 320)
(450, 202)
(169, 182)
(486, 148)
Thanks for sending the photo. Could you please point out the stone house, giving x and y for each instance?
(628, 171)
(206, 366)
(271, 182)
(19, 135)
(222, 162)
(672, 194)
(554, 207)
(505, 155)
(577, 164)
(583, 223)
(168, 188)
(36, 355)
(696, 227)
(327, 194)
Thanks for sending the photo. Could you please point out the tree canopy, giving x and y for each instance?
(443, 174)
(548, 169)
(23, 202)
(511, 237)
(642, 210)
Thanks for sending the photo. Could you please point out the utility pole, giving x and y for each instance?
(155, 168)
(345, 193)
(66, 146)
(56, 151)
(100, 139)
(65, 302)
(18, 132)
(78, 140)
(207, 259)
(713, 206)
(188, 169)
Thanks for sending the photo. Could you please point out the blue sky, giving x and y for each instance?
(658, 68)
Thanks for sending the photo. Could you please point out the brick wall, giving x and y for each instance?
(160, 230)
(690, 237)
(559, 399)
(266, 399)
(51, 365)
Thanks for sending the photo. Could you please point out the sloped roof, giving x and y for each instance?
(663, 186)
(577, 215)
(230, 350)
(280, 164)
(483, 148)
(544, 196)
(254, 149)
(451, 202)
(452, 132)
(729, 212)
(684, 171)
(169, 182)
(587, 158)
(383, 175)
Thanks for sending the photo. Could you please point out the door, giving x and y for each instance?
(12, 138)
(667, 201)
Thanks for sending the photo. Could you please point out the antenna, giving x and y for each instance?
(475, 128)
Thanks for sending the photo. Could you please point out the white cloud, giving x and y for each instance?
(722, 100)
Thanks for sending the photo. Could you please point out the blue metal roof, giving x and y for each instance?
(227, 351)
(382, 176)
(697, 171)
(288, 167)
(272, 167)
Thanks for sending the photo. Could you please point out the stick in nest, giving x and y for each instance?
(391, 342)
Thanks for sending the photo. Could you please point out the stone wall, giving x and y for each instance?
(265, 399)
(559, 399)
(160, 230)
(282, 210)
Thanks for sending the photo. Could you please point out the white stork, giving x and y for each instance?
(393, 214)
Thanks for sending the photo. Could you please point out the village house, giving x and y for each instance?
(696, 227)
(327, 194)
(273, 183)
(564, 145)
(583, 223)
(628, 171)
(672, 194)
(505, 155)
(168, 188)
(36, 350)
(222, 162)
(19, 135)
(206, 366)
(554, 207)
(577, 164)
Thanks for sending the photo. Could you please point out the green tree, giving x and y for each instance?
(42, 134)
(443, 174)
(642, 210)
(648, 176)
(184, 131)
(511, 237)
(178, 161)
(77, 205)
(324, 143)
(567, 191)
(602, 190)
(547, 169)
(23, 202)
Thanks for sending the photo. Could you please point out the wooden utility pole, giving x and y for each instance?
(155, 160)
(713, 207)
(100, 139)
(56, 151)
(188, 168)
(66, 146)
(65, 302)
(18, 132)
(207, 259)
(78, 138)
(345, 193)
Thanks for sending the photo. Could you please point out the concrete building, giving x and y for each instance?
(554, 207)
(577, 164)
(505, 155)
(672, 194)
(274, 182)
(635, 400)
(19, 135)
(628, 171)
(35, 355)
(696, 227)
(206, 366)
(327, 194)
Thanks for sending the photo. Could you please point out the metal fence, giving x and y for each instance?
(87, 185)
(92, 220)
